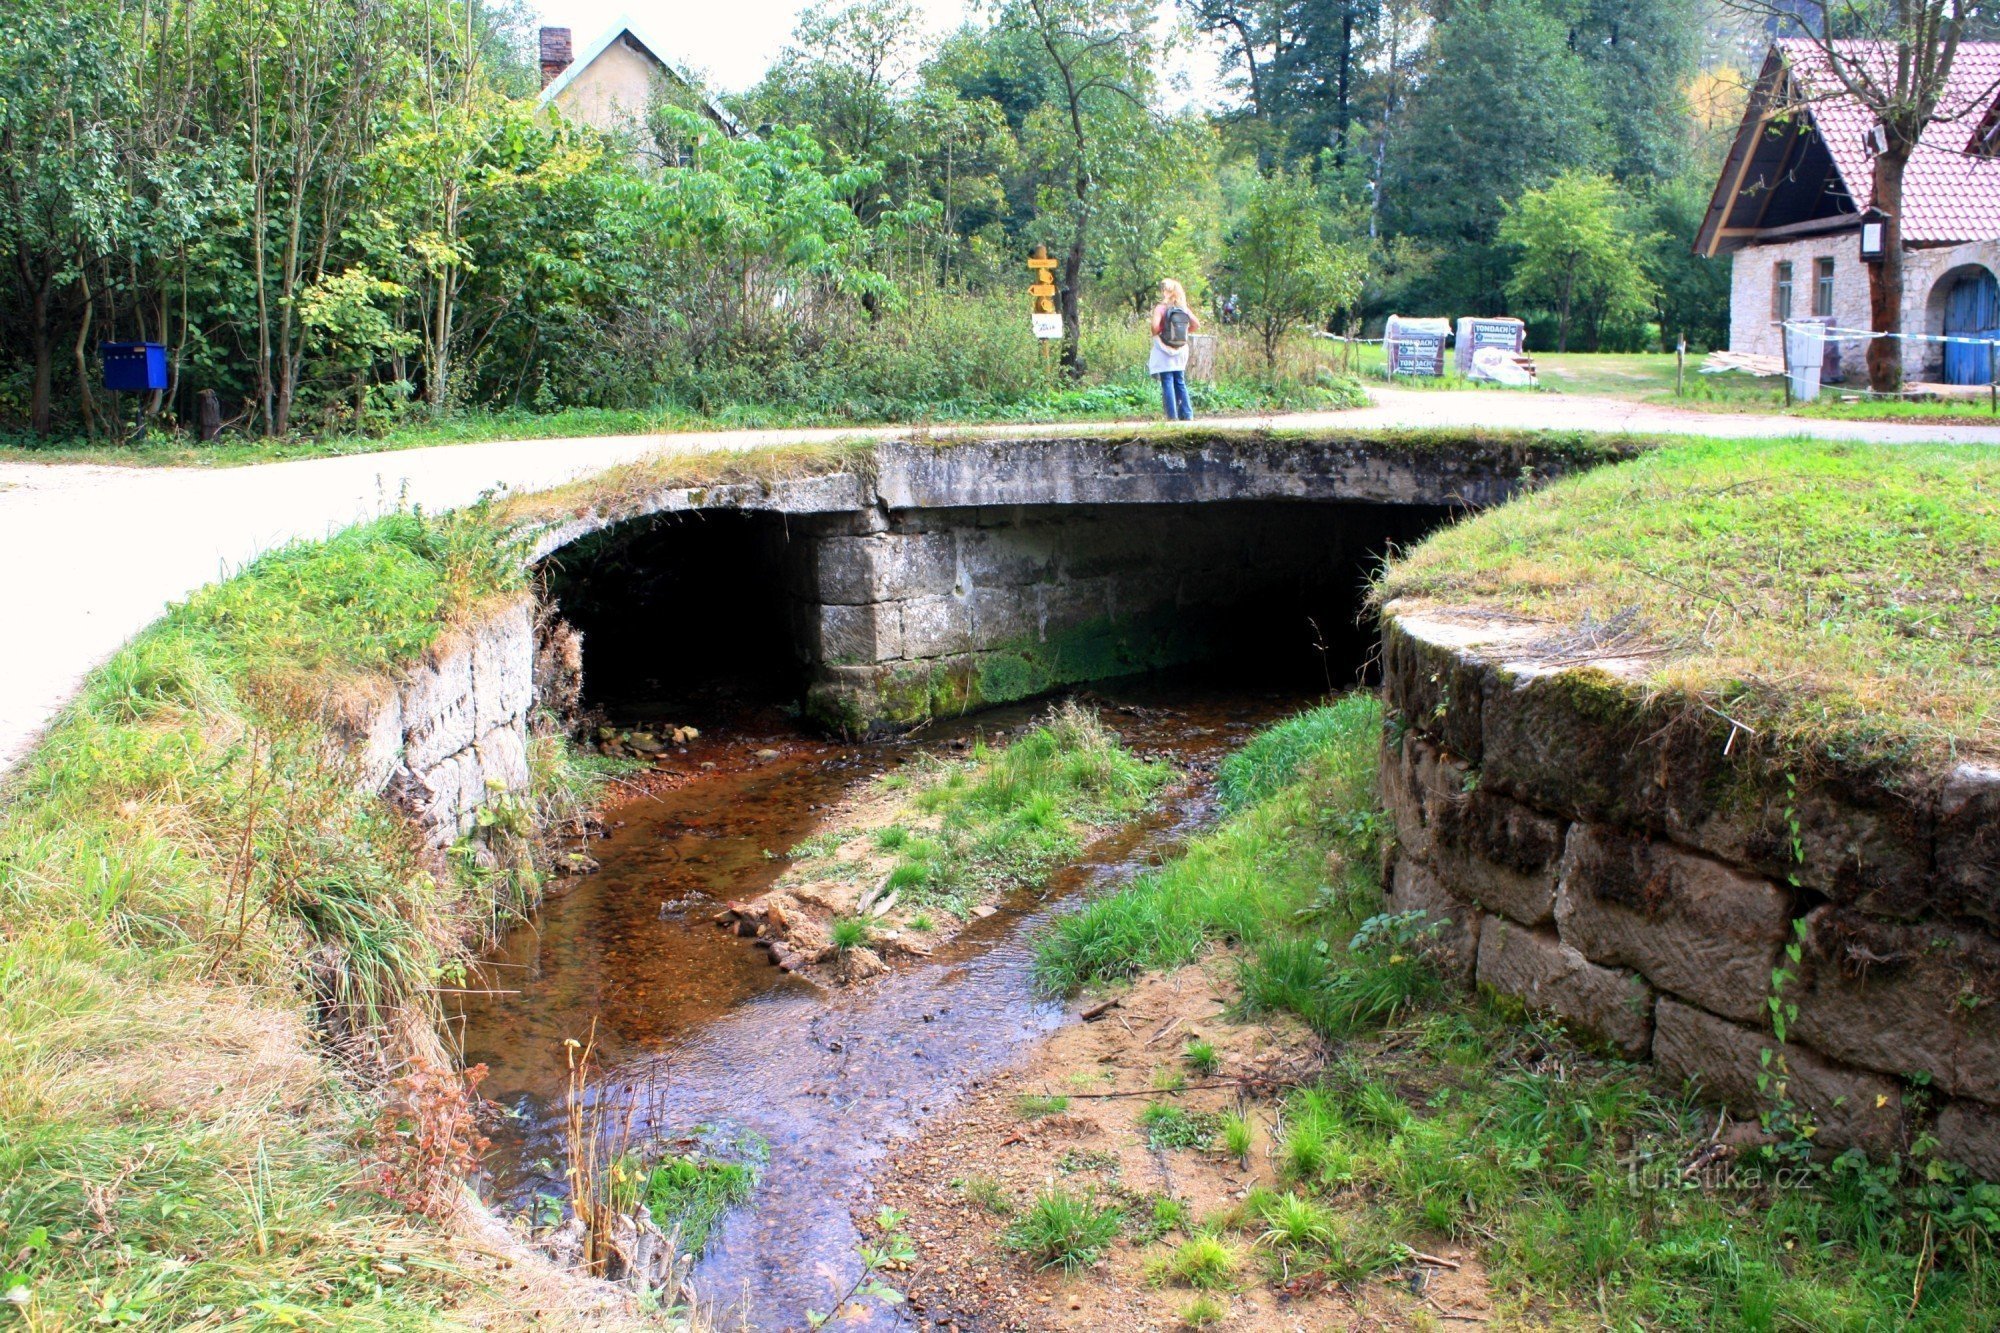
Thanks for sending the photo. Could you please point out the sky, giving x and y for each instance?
(734, 41)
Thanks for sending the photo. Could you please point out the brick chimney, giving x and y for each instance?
(555, 53)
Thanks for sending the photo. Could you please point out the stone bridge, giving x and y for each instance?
(935, 579)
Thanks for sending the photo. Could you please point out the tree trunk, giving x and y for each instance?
(1885, 279)
(40, 411)
(1070, 300)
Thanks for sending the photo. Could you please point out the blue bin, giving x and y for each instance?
(134, 367)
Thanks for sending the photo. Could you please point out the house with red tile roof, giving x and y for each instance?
(1789, 206)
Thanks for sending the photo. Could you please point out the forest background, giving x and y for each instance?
(342, 215)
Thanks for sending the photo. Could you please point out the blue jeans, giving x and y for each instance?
(1174, 395)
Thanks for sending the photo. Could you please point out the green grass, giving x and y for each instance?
(192, 886)
(1201, 1057)
(1206, 1263)
(1036, 1106)
(693, 1192)
(1170, 1126)
(1444, 1115)
(1203, 1311)
(848, 932)
(1064, 1229)
(1240, 881)
(1008, 818)
(987, 1193)
(1648, 377)
(1816, 591)
(1294, 1222)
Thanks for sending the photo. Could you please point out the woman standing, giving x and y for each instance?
(1173, 325)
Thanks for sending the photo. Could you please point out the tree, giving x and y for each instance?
(1505, 106)
(842, 75)
(1894, 58)
(1576, 252)
(1280, 265)
(1099, 58)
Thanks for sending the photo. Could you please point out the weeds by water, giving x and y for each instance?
(1242, 881)
(1449, 1117)
(1000, 819)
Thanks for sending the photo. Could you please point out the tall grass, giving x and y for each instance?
(196, 896)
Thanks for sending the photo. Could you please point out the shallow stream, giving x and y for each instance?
(695, 1028)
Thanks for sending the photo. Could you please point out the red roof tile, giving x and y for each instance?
(1949, 194)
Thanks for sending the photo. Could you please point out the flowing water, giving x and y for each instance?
(695, 1028)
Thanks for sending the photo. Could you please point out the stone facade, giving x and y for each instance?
(1928, 273)
(1678, 884)
(455, 734)
(937, 611)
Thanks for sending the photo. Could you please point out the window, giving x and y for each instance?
(1823, 287)
(1781, 291)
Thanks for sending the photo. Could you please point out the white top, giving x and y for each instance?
(1165, 358)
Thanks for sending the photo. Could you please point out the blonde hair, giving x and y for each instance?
(1175, 293)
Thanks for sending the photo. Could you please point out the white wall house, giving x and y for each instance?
(1800, 175)
(614, 83)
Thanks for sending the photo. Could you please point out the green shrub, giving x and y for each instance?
(1064, 1229)
(1204, 1262)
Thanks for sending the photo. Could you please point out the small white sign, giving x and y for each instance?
(1047, 326)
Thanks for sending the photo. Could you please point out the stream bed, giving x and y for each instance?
(696, 1030)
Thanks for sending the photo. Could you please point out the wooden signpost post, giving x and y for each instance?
(1043, 315)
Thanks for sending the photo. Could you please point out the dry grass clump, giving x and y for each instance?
(1832, 593)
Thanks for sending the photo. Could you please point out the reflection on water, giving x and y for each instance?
(697, 1028)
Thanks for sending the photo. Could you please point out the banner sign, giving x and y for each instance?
(1507, 336)
(1416, 346)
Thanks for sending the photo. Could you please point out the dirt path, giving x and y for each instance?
(979, 1168)
(93, 554)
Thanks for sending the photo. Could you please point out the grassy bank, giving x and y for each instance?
(1590, 1197)
(1822, 591)
(198, 905)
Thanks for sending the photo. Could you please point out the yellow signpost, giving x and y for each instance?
(1042, 295)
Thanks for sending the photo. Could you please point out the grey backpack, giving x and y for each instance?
(1174, 327)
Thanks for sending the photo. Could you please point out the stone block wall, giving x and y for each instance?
(1928, 272)
(1639, 876)
(455, 733)
(933, 612)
